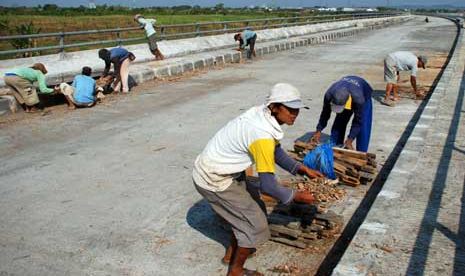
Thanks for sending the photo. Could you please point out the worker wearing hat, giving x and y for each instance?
(349, 96)
(147, 24)
(219, 172)
(401, 61)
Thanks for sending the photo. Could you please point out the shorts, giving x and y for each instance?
(23, 90)
(240, 207)
(68, 91)
(390, 71)
(153, 42)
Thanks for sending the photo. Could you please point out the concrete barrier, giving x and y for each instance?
(62, 67)
(186, 55)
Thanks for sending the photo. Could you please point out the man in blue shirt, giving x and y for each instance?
(247, 37)
(120, 58)
(349, 96)
(81, 93)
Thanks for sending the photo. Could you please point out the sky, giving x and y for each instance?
(236, 3)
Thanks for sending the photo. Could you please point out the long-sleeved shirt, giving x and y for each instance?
(251, 138)
(117, 56)
(148, 25)
(32, 76)
(360, 92)
(268, 183)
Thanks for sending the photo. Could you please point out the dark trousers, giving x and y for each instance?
(251, 43)
(341, 121)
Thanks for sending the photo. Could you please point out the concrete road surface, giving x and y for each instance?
(108, 190)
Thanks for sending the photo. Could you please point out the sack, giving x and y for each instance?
(322, 160)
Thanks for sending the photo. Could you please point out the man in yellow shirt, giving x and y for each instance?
(219, 172)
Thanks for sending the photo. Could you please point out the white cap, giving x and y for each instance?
(285, 94)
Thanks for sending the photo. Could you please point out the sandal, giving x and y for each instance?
(248, 272)
(387, 102)
(33, 110)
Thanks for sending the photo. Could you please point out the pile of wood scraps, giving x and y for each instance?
(351, 167)
(301, 225)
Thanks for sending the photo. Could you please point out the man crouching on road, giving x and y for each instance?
(218, 174)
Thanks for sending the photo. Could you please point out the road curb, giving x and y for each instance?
(360, 255)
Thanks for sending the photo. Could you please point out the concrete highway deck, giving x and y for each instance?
(416, 226)
(108, 190)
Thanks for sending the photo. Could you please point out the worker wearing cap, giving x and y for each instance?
(349, 96)
(147, 24)
(219, 172)
(401, 61)
(247, 38)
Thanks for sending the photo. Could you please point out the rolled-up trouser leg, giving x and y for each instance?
(238, 208)
(124, 72)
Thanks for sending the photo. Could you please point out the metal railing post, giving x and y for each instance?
(118, 37)
(162, 32)
(62, 43)
(197, 29)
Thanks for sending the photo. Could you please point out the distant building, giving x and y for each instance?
(348, 9)
(327, 9)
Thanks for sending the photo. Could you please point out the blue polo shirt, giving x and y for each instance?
(84, 89)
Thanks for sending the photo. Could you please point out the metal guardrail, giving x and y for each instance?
(197, 29)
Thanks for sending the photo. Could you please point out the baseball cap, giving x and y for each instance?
(286, 94)
(339, 98)
(424, 60)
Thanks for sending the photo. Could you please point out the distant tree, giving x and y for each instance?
(50, 7)
(219, 7)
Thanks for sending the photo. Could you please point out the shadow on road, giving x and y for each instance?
(202, 218)
(430, 222)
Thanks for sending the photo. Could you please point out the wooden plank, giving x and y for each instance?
(351, 153)
(309, 236)
(283, 230)
(288, 221)
(295, 243)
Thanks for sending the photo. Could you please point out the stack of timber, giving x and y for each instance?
(302, 225)
(351, 167)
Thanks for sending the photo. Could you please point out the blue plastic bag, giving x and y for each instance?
(322, 159)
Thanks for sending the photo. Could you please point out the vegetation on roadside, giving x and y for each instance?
(50, 18)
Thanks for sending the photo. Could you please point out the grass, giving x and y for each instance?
(76, 23)
(50, 24)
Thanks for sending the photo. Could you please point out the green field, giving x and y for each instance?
(74, 23)
(50, 24)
